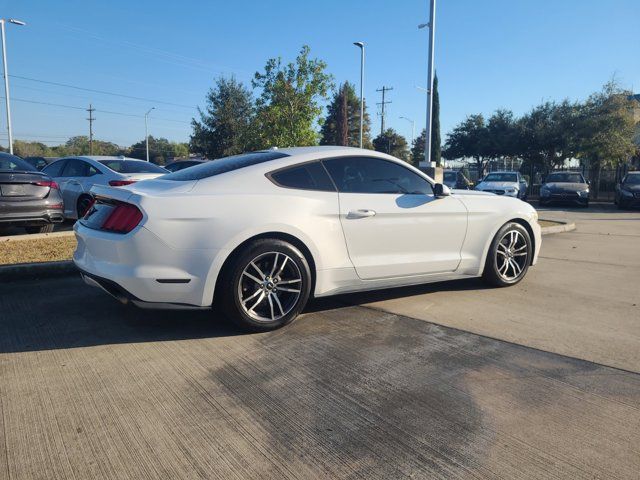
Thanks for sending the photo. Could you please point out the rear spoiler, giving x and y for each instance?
(115, 193)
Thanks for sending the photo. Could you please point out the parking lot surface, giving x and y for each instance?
(93, 389)
(582, 299)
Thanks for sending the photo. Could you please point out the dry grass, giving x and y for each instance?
(49, 249)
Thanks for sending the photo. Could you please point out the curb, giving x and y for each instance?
(32, 271)
(562, 227)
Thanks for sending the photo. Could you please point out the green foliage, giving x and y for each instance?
(160, 150)
(80, 145)
(392, 143)
(470, 139)
(289, 107)
(223, 127)
(30, 149)
(342, 125)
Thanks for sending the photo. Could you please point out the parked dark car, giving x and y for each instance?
(628, 191)
(28, 198)
(40, 162)
(565, 187)
(182, 164)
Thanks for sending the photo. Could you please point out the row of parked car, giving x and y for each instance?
(38, 192)
(557, 187)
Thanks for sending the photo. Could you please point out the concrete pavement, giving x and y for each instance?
(581, 300)
(94, 389)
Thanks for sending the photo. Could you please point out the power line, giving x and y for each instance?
(102, 92)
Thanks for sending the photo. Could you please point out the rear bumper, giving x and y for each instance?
(142, 269)
(32, 212)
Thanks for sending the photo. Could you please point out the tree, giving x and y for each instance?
(79, 145)
(607, 129)
(392, 143)
(223, 127)
(30, 149)
(503, 136)
(342, 125)
(417, 148)
(289, 106)
(548, 134)
(469, 139)
(160, 150)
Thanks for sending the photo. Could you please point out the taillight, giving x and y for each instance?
(123, 218)
(121, 183)
(48, 183)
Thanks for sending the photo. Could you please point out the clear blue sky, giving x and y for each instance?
(489, 54)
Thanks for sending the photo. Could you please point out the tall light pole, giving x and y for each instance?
(413, 128)
(361, 45)
(432, 30)
(146, 129)
(6, 77)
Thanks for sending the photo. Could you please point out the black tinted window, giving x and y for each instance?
(78, 168)
(13, 163)
(132, 166)
(223, 165)
(54, 169)
(374, 175)
(310, 176)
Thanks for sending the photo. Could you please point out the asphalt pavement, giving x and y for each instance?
(94, 389)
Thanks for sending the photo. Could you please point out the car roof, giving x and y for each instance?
(98, 158)
(502, 171)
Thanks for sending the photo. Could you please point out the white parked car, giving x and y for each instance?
(509, 184)
(76, 176)
(260, 232)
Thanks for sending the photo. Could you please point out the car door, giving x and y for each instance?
(394, 226)
(73, 182)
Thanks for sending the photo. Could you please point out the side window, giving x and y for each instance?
(308, 176)
(375, 175)
(54, 169)
(76, 168)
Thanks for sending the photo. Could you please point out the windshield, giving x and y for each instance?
(11, 163)
(223, 165)
(450, 176)
(632, 179)
(565, 177)
(501, 177)
(132, 166)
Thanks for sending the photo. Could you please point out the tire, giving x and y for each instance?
(254, 298)
(499, 270)
(84, 202)
(43, 229)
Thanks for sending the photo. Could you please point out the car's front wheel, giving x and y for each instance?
(509, 256)
(266, 285)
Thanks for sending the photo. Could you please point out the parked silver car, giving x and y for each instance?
(76, 176)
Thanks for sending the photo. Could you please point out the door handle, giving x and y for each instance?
(363, 213)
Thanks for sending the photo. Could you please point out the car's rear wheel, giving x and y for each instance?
(48, 228)
(509, 256)
(266, 285)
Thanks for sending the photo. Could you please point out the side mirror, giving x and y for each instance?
(440, 190)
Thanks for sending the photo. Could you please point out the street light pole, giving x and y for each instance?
(413, 128)
(6, 77)
(361, 45)
(432, 30)
(146, 130)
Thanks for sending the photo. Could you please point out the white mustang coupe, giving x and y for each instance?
(258, 233)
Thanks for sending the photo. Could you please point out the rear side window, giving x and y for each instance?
(54, 169)
(308, 176)
(223, 165)
(375, 175)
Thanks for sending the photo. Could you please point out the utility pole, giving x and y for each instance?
(383, 103)
(6, 77)
(432, 37)
(91, 119)
(361, 46)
